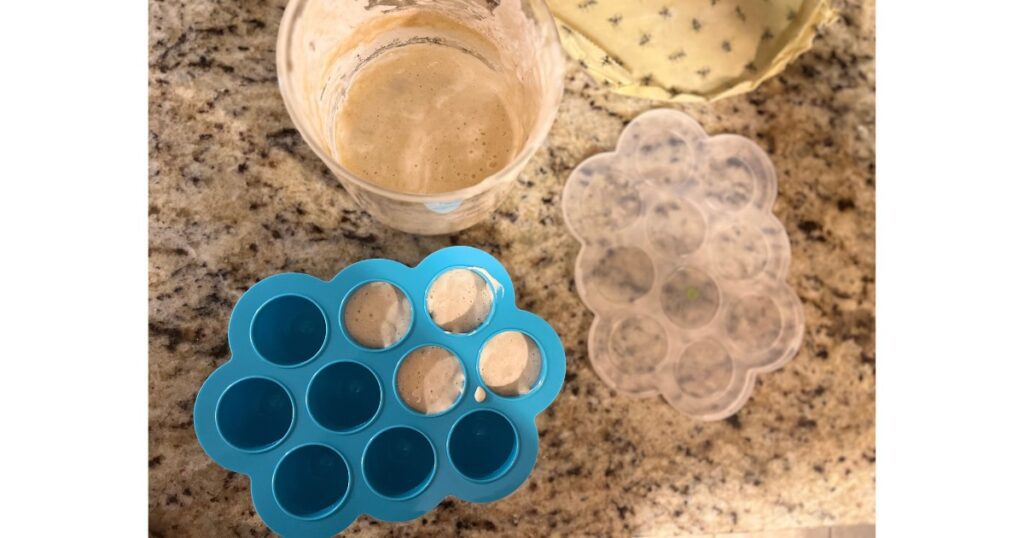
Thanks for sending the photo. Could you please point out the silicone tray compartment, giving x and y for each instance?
(683, 265)
(317, 424)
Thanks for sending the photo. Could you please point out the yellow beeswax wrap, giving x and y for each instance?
(687, 50)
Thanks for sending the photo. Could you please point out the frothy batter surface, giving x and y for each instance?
(428, 118)
(459, 300)
(430, 380)
(377, 315)
(510, 363)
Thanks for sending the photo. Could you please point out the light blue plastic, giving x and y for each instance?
(249, 397)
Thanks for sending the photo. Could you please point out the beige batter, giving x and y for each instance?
(377, 315)
(510, 363)
(428, 118)
(459, 300)
(430, 380)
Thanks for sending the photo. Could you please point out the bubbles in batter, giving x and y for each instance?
(430, 380)
(459, 300)
(377, 315)
(428, 118)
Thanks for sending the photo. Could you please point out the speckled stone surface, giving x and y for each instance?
(235, 196)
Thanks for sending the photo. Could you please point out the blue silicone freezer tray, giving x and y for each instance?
(317, 459)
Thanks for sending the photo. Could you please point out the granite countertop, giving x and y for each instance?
(235, 195)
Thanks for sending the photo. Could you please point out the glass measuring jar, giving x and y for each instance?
(324, 47)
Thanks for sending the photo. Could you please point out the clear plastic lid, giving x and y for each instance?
(683, 265)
